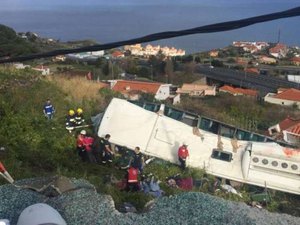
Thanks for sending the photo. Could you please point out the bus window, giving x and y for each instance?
(227, 131)
(221, 155)
(209, 125)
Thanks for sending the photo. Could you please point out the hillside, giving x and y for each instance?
(36, 147)
(13, 44)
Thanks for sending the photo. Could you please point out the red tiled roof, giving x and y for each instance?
(238, 90)
(288, 122)
(290, 94)
(295, 129)
(295, 59)
(117, 54)
(277, 48)
(124, 86)
(252, 70)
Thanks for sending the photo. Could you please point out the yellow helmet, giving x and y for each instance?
(71, 112)
(79, 110)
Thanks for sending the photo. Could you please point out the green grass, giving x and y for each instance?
(37, 147)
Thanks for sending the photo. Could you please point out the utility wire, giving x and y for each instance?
(217, 27)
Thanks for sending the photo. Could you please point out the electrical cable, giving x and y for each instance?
(217, 27)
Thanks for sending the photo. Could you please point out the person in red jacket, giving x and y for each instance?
(81, 145)
(132, 179)
(183, 153)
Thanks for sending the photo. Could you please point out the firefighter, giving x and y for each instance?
(79, 117)
(70, 120)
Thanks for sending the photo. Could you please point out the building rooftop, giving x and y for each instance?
(125, 86)
(242, 91)
(288, 123)
(289, 94)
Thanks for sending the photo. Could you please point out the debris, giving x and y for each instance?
(230, 189)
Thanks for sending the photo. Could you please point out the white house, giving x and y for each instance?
(287, 130)
(287, 97)
(43, 69)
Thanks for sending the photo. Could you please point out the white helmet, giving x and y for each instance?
(40, 213)
(184, 143)
(83, 132)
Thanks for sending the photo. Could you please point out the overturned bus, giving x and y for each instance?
(220, 149)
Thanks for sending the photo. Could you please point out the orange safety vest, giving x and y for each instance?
(132, 175)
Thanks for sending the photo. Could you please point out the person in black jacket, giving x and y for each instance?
(138, 160)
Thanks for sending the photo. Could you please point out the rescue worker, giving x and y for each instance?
(81, 145)
(138, 160)
(89, 156)
(106, 150)
(70, 120)
(132, 179)
(48, 110)
(97, 149)
(183, 153)
(79, 117)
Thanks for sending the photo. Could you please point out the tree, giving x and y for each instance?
(169, 70)
(217, 63)
(105, 69)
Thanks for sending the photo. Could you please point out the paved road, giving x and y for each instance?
(263, 83)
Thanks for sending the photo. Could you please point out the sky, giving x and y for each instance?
(16, 4)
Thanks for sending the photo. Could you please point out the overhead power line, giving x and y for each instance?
(217, 27)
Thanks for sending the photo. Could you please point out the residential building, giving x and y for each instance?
(238, 91)
(43, 69)
(86, 55)
(19, 66)
(251, 46)
(279, 51)
(266, 60)
(117, 54)
(132, 89)
(287, 97)
(251, 70)
(214, 53)
(59, 58)
(293, 78)
(287, 130)
(197, 90)
(295, 61)
(149, 50)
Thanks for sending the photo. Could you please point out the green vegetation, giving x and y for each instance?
(12, 45)
(241, 111)
(37, 147)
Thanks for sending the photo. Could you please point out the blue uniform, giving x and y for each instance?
(49, 110)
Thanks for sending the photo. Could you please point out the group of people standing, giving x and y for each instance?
(74, 119)
(94, 150)
(98, 150)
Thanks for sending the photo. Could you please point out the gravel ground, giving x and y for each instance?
(84, 206)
